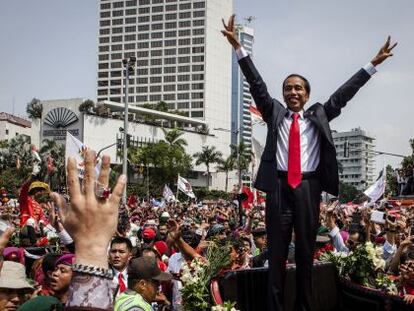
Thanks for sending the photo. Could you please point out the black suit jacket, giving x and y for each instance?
(273, 112)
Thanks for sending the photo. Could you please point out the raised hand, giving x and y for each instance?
(90, 221)
(230, 32)
(384, 52)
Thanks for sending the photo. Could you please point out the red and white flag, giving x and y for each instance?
(184, 186)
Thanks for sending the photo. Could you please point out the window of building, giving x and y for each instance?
(171, 106)
(185, 24)
(184, 15)
(104, 48)
(199, 5)
(156, 35)
(115, 74)
(104, 23)
(157, 1)
(199, 58)
(182, 105)
(143, 36)
(157, 18)
(131, 3)
(130, 37)
(105, 31)
(198, 86)
(170, 34)
(185, 33)
(155, 79)
(198, 76)
(183, 78)
(156, 62)
(143, 10)
(157, 9)
(198, 40)
(156, 53)
(141, 98)
(169, 69)
(116, 47)
(197, 95)
(171, 7)
(157, 26)
(117, 39)
(142, 54)
(156, 44)
(199, 14)
(144, 2)
(171, 16)
(117, 13)
(105, 14)
(198, 67)
(170, 42)
(142, 71)
(105, 6)
(118, 5)
(143, 19)
(155, 98)
(198, 49)
(181, 96)
(104, 40)
(117, 21)
(184, 41)
(197, 114)
(183, 68)
(169, 88)
(170, 52)
(198, 22)
(103, 57)
(131, 12)
(116, 65)
(197, 105)
(169, 78)
(198, 31)
(185, 6)
(130, 29)
(142, 89)
(115, 82)
(143, 28)
(184, 51)
(129, 46)
(171, 25)
(184, 59)
(103, 75)
(183, 87)
(156, 71)
(100, 92)
(142, 62)
(143, 45)
(169, 96)
(170, 61)
(142, 80)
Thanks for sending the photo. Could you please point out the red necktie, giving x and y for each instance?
(121, 282)
(294, 167)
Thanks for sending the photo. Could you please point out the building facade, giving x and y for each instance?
(12, 126)
(355, 154)
(182, 58)
(241, 121)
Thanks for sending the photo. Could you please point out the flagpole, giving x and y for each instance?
(178, 177)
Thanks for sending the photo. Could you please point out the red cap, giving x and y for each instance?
(161, 247)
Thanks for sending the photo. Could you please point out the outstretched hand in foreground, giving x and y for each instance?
(90, 221)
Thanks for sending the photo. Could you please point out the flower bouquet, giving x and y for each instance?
(197, 275)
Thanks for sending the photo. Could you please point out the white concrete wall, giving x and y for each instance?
(13, 130)
(101, 132)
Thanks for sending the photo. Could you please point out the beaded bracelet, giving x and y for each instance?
(96, 271)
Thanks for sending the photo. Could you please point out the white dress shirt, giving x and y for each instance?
(309, 135)
(116, 276)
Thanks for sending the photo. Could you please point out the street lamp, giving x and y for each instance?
(129, 67)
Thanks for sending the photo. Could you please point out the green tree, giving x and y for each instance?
(226, 166)
(408, 162)
(242, 156)
(87, 106)
(392, 185)
(348, 192)
(34, 109)
(207, 156)
(173, 138)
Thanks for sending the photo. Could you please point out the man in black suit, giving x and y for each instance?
(297, 164)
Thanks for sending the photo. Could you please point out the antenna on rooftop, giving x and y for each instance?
(249, 19)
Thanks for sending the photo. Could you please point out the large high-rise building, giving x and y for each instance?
(241, 121)
(182, 58)
(355, 154)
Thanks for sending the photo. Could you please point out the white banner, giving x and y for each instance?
(75, 148)
(168, 194)
(376, 190)
(184, 186)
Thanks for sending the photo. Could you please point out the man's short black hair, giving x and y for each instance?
(305, 81)
(122, 240)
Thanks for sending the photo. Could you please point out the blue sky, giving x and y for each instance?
(48, 50)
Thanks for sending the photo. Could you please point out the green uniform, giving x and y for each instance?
(131, 301)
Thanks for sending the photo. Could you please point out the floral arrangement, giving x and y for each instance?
(197, 275)
(364, 265)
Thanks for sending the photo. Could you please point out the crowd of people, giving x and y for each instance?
(84, 250)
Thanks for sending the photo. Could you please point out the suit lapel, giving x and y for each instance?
(317, 117)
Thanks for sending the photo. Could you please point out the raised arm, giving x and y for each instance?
(340, 98)
(258, 87)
